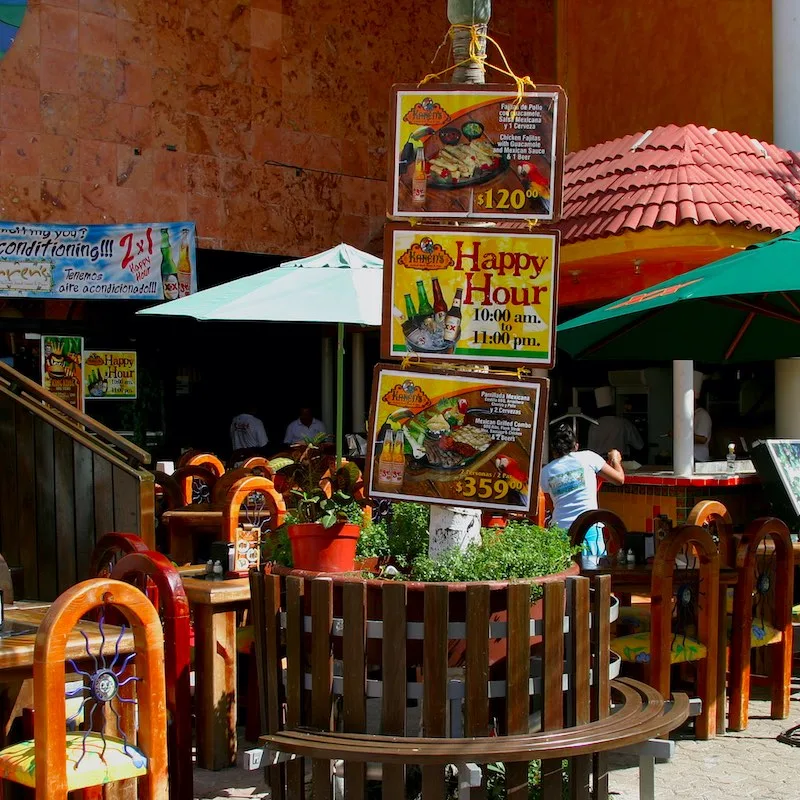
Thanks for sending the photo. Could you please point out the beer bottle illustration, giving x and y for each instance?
(452, 322)
(169, 272)
(419, 182)
(409, 325)
(425, 309)
(398, 460)
(439, 305)
(184, 266)
(386, 461)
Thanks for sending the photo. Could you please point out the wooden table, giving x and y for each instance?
(214, 605)
(636, 579)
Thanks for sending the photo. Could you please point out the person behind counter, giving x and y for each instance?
(702, 423)
(612, 432)
(306, 426)
(571, 481)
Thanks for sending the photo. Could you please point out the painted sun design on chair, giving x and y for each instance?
(11, 15)
(99, 689)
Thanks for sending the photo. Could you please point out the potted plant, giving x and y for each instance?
(324, 521)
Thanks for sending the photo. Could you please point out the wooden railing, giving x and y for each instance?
(65, 481)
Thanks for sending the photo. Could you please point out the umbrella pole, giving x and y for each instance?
(339, 394)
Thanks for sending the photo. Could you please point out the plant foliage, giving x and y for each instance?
(404, 537)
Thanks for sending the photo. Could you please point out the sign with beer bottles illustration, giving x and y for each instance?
(146, 261)
(477, 151)
(470, 294)
(62, 368)
(442, 437)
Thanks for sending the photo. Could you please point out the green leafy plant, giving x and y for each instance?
(403, 538)
(520, 550)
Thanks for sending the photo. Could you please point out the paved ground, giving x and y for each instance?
(751, 764)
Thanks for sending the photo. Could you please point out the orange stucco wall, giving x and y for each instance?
(131, 110)
(630, 66)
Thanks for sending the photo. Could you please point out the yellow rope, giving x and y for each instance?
(477, 56)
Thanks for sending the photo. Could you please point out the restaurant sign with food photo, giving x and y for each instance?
(472, 440)
(470, 294)
(482, 152)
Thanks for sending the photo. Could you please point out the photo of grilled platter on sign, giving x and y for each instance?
(470, 443)
(479, 155)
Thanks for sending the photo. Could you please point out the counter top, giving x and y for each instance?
(661, 476)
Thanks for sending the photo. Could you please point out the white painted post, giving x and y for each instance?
(683, 417)
(786, 115)
(357, 424)
(326, 395)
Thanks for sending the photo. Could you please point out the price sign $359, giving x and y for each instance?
(486, 488)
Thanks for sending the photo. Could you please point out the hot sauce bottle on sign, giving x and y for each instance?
(419, 182)
(452, 322)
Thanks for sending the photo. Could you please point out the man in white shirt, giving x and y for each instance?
(306, 426)
(247, 433)
(702, 422)
(612, 432)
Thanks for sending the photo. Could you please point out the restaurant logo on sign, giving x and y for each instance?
(654, 295)
(406, 395)
(426, 255)
(426, 112)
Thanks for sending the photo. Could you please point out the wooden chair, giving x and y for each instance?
(110, 548)
(684, 619)
(614, 530)
(196, 483)
(155, 575)
(258, 465)
(195, 458)
(224, 484)
(257, 498)
(713, 515)
(456, 722)
(762, 616)
(56, 762)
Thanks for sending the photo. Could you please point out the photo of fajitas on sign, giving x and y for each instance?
(446, 437)
(477, 151)
(470, 294)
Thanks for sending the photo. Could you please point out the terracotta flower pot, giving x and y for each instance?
(321, 549)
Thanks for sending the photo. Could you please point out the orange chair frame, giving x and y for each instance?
(223, 485)
(49, 673)
(662, 589)
(170, 488)
(198, 459)
(610, 521)
(185, 477)
(236, 496)
(713, 514)
(781, 673)
(259, 462)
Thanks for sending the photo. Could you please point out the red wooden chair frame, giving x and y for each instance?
(746, 563)
(49, 673)
(614, 529)
(662, 590)
(110, 548)
(165, 591)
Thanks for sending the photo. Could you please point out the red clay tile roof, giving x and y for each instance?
(677, 175)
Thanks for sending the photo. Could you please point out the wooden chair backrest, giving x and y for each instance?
(614, 529)
(342, 619)
(699, 576)
(154, 574)
(259, 466)
(224, 484)
(110, 549)
(714, 515)
(49, 674)
(186, 477)
(170, 490)
(237, 497)
(195, 458)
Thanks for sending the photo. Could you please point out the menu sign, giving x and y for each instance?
(62, 368)
(477, 152)
(109, 375)
(456, 439)
(470, 294)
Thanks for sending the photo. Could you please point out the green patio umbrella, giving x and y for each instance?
(341, 285)
(745, 307)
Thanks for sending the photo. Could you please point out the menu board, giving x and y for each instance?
(476, 151)
(109, 375)
(468, 294)
(778, 465)
(62, 368)
(448, 438)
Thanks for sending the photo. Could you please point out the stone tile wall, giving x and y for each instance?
(129, 110)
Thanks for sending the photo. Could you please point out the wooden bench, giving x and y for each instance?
(552, 692)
